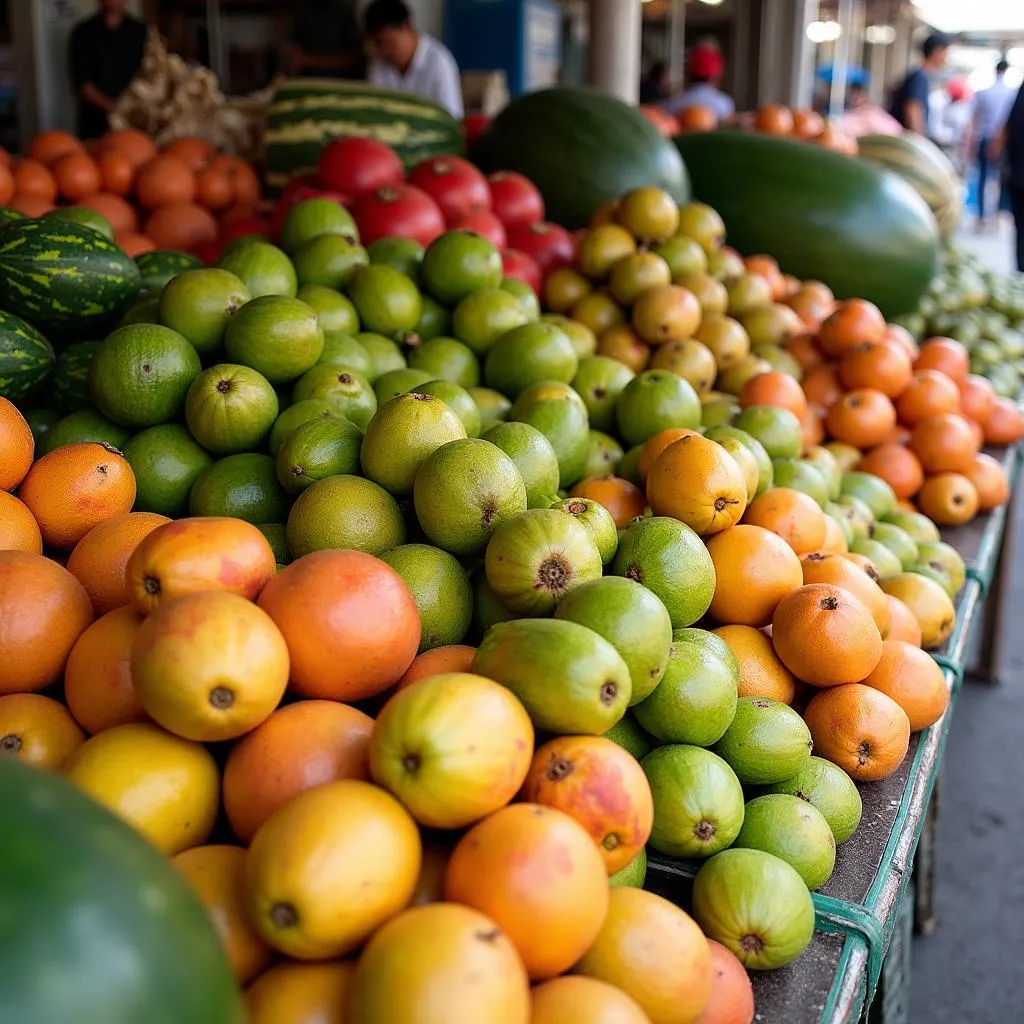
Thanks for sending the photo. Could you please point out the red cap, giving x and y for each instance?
(705, 62)
(957, 89)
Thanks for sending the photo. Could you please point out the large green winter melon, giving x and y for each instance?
(306, 113)
(97, 926)
(581, 148)
(863, 231)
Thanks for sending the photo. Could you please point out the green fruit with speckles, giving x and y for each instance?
(698, 801)
(695, 701)
(766, 742)
(632, 620)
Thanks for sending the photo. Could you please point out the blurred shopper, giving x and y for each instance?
(862, 117)
(991, 109)
(654, 85)
(910, 101)
(105, 51)
(411, 61)
(1010, 146)
(704, 70)
(325, 39)
(951, 122)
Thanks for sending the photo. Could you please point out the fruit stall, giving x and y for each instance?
(478, 573)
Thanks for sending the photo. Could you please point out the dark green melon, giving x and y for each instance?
(863, 231)
(581, 148)
(71, 376)
(97, 926)
(157, 268)
(26, 358)
(62, 276)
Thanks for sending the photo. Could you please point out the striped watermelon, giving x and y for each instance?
(71, 376)
(63, 276)
(26, 358)
(924, 167)
(306, 113)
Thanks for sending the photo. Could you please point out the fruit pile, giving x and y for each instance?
(439, 194)
(981, 309)
(405, 616)
(771, 119)
(179, 197)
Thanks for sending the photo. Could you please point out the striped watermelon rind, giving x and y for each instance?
(26, 358)
(924, 167)
(307, 113)
(61, 276)
(157, 268)
(71, 376)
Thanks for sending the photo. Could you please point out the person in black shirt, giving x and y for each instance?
(910, 100)
(654, 87)
(106, 51)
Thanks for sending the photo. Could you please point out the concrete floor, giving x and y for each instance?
(969, 971)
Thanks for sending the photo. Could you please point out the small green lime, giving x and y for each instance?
(447, 359)
(166, 461)
(141, 374)
(441, 590)
(345, 512)
(244, 486)
(334, 310)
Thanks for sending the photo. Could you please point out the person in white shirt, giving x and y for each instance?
(410, 61)
(991, 109)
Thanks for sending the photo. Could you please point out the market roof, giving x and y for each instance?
(976, 16)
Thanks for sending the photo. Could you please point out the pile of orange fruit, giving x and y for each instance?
(912, 415)
(771, 119)
(178, 197)
(153, 638)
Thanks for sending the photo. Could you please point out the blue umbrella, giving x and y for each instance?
(855, 74)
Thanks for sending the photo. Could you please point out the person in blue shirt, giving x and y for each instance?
(910, 100)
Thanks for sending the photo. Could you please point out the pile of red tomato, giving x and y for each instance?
(440, 194)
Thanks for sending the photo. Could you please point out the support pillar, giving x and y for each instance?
(900, 54)
(785, 56)
(613, 59)
(676, 44)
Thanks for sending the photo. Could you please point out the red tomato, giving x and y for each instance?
(483, 222)
(208, 252)
(548, 244)
(515, 198)
(455, 185)
(518, 264)
(248, 226)
(474, 126)
(403, 210)
(355, 166)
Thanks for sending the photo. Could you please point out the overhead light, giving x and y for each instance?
(712, 3)
(880, 35)
(824, 31)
